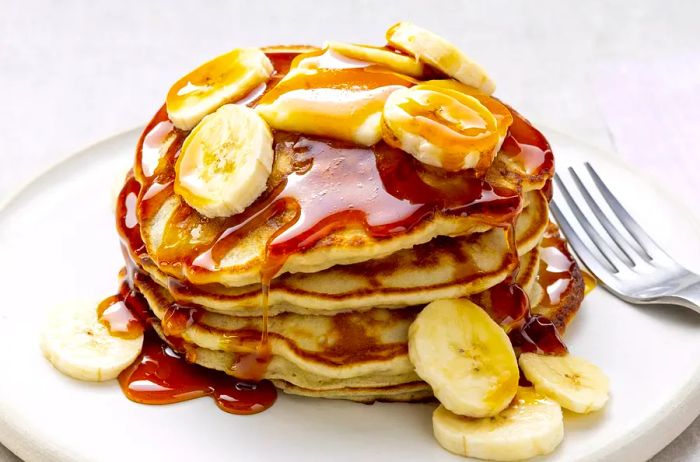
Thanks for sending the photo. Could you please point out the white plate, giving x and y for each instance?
(58, 244)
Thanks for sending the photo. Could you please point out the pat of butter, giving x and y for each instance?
(342, 113)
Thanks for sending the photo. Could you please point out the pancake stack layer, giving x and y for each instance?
(315, 284)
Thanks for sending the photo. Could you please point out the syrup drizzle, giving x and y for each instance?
(332, 186)
(556, 265)
(528, 147)
(160, 375)
(538, 333)
(118, 312)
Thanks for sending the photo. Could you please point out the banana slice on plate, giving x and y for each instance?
(378, 55)
(465, 357)
(225, 162)
(78, 345)
(530, 426)
(439, 53)
(442, 127)
(222, 80)
(573, 382)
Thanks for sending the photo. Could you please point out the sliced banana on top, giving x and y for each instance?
(571, 381)
(378, 55)
(80, 346)
(225, 161)
(442, 127)
(530, 426)
(222, 80)
(465, 357)
(439, 53)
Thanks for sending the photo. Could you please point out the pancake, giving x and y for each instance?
(315, 284)
(442, 268)
(327, 203)
(360, 356)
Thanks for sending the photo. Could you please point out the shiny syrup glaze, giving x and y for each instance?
(333, 185)
(401, 199)
(160, 375)
(526, 146)
(118, 313)
(555, 275)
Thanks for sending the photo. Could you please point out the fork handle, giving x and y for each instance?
(688, 297)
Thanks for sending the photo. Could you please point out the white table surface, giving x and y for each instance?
(73, 73)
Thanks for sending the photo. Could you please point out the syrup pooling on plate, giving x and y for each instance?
(127, 315)
(161, 376)
(538, 335)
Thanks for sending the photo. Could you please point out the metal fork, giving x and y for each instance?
(629, 264)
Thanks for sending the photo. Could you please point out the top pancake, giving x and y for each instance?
(354, 204)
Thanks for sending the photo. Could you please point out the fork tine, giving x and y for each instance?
(650, 247)
(609, 253)
(580, 248)
(632, 254)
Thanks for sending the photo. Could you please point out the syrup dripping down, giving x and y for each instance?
(332, 186)
(538, 333)
(118, 312)
(161, 376)
(510, 306)
(399, 198)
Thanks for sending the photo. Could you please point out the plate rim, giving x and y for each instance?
(670, 422)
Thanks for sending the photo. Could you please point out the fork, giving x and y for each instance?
(629, 263)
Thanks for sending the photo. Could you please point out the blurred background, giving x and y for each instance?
(621, 76)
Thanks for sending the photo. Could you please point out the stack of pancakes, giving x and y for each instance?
(334, 315)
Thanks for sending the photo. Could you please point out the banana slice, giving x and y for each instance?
(439, 53)
(225, 161)
(394, 61)
(224, 79)
(571, 381)
(442, 127)
(465, 356)
(532, 425)
(78, 345)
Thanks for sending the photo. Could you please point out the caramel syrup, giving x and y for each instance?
(555, 276)
(118, 312)
(161, 376)
(332, 186)
(556, 266)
